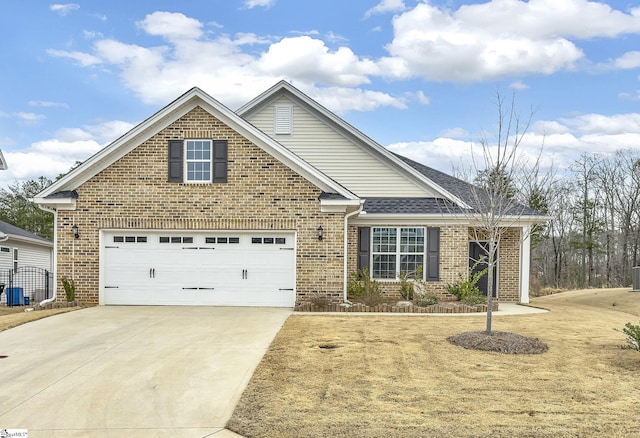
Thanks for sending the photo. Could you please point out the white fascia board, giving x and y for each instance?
(339, 205)
(354, 132)
(163, 118)
(30, 240)
(57, 203)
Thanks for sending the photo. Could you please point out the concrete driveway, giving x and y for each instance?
(132, 371)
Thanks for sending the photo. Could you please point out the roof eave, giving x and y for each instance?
(56, 203)
(30, 240)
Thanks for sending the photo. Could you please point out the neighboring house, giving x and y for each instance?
(273, 204)
(21, 248)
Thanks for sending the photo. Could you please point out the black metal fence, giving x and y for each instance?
(25, 285)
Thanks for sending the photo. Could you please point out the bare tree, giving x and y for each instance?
(494, 201)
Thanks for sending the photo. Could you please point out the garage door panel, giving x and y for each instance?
(246, 269)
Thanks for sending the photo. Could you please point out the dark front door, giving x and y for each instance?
(478, 257)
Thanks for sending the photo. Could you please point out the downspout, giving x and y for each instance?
(346, 244)
(55, 254)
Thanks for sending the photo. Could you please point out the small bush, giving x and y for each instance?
(632, 333)
(354, 286)
(406, 286)
(364, 289)
(69, 288)
(426, 299)
(466, 289)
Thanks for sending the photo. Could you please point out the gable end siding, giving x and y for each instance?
(335, 155)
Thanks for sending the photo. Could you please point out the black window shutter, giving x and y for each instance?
(220, 161)
(176, 149)
(364, 247)
(433, 254)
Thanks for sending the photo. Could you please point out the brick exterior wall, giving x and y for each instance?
(454, 259)
(261, 194)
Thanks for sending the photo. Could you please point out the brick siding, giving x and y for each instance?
(261, 194)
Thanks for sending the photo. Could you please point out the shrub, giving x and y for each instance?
(365, 289)
(406, 286)
(466, 289)
(354, 286)
(425, 299)
(69, 288)
(633, 336)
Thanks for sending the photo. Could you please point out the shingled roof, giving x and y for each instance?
(468, 193)
(13, 231)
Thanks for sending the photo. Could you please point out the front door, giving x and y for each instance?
(478, 258)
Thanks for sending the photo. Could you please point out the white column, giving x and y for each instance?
(525, 264)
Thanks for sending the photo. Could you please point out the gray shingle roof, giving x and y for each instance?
(409, 206)
(12, 230)
(468, 193)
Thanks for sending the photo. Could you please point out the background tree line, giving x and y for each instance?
(593, 237)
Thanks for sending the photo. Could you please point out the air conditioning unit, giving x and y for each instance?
(636, 279)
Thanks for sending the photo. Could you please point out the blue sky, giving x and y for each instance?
(419, 77)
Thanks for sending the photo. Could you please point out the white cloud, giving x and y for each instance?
(310, 60)
(386, 6)
(250, 4)
(85, 59)
(341, 99)
(607, 125)
(629, 60)
(499, 38)
(518, 85)
(64, 9)
(555, 143)
(173, 26)
(91, 34)
(47, 104)
(57, 155)
(422, 98)
(30, 117)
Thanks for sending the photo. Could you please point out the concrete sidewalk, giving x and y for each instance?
(132, 371)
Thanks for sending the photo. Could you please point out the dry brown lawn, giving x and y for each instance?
(14, 316)
(397, 376)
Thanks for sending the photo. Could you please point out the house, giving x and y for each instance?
(25, 261)
(270, 205)
(20, 248)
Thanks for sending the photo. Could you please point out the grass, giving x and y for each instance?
(14, 316)
(397, 376)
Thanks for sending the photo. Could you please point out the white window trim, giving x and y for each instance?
(283, 119)
(397, 252)
(187, 161)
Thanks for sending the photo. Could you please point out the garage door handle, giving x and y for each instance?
(111, 287)
(285, 289)
(286, 249)
(152, 273)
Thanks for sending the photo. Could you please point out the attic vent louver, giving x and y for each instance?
(283, 119)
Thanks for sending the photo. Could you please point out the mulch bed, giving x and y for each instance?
(500, 342)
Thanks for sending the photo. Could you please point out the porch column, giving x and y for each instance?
(525, 264)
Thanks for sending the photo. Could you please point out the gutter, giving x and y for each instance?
(346, 259)
(55, 253)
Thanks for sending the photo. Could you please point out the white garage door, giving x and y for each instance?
(196, 268)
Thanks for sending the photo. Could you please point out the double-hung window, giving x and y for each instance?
(396, 250)
(198, 160)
